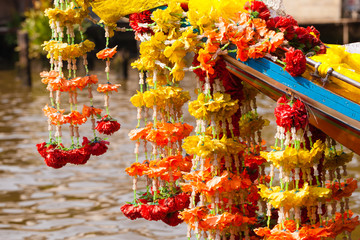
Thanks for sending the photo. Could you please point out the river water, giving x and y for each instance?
(78, 202)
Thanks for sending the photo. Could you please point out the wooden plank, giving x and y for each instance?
(342, 128)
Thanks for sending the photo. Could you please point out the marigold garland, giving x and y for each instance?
(219, 188)
(62, 48)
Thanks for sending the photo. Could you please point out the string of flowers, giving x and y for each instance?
(160, 72)
(62, 48)
(302, 199)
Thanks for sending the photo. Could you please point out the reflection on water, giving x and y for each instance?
(75, 202)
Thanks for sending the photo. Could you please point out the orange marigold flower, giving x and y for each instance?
(88, 111)
(262, 232)
(50, 110)
(47, 76)
(78, 82)
(106, 53)
(75, 118)
(140, 133)
(171, 161)
(92, 79)
(190, 216)
(58, 83)
(55, 116)
(104, 88)
(136, 169)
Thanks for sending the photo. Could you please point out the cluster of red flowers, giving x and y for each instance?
(291, 114)
(295, 62)
(107, 125)
(164, 209)
(138, 20)
(57, 156)
(256, 34)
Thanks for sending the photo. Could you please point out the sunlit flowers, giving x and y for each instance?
(106, 53)
(107, 125)
(105, 88)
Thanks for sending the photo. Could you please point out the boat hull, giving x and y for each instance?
(335, 115)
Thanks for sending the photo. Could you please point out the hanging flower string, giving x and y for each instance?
(107, 125)
(62, 48)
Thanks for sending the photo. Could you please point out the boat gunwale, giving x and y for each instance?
(340, 127)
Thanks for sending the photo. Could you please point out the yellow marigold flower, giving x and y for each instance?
(305, 196)
(137, 100)
(334, 159)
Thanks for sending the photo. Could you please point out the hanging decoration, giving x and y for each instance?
(62, 48)
(305, 204)
(212, 177)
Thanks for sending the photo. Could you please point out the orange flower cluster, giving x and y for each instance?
(287, 230)
(200, 218)
(204, 182)
(108, 87)
(251, 36)
(57, 83)
(106, 53)
(168, 169)
(342, 189)
(74, 117)
(164, 133)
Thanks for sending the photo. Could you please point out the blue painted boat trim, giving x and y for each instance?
(305, 87)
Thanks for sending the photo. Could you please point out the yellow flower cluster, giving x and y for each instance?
(207, 146)
(70, 16)
(204, 14)
(334, 159)
(219, 105)
(290, 158)
(150, 51)
(251, 122)
(303, 197)
(67, 51)
(169, 19)
(161, 97)
(167, 48)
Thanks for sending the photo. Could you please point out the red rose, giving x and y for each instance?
(107, 125)
(295, 62)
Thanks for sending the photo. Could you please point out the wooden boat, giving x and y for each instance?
(333, 112)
